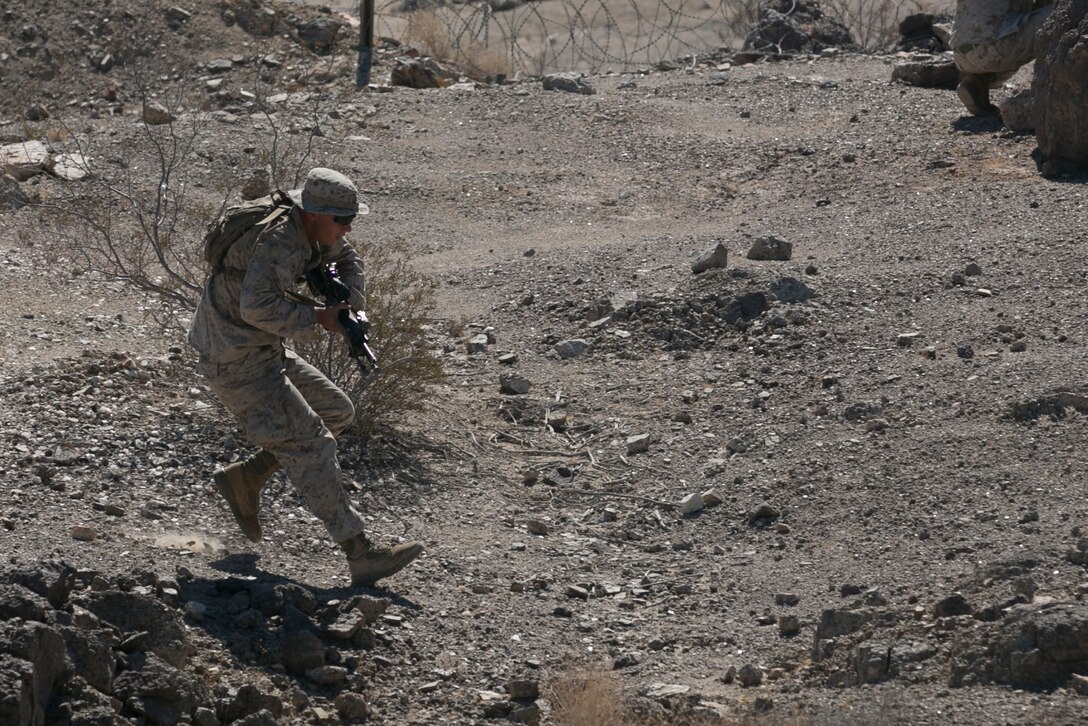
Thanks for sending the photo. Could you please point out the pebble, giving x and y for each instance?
(523, 689)
(691, 503)
(638, 444)
(750, 675)
(82, 534)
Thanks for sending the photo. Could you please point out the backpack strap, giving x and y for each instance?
(282, 204)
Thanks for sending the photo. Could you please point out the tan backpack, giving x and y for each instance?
(248, 218)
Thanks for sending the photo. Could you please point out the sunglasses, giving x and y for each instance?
(344, 221)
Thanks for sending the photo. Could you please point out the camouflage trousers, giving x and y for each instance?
(286, 406)
(1004, 57)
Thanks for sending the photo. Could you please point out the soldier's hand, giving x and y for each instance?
(328, 317)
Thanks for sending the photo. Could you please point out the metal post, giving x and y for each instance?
(366, 43)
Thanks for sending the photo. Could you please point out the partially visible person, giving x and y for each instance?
(991, 40)
(282, 403)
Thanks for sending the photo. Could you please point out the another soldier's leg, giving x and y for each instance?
(323, 396)
(273, 414)
(983, 67)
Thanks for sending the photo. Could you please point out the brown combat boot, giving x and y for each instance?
(974, 92)
(369, 563)
(240, 484)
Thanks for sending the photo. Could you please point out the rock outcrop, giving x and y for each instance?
(1061, 97)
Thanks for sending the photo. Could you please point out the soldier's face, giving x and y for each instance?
(328, 231)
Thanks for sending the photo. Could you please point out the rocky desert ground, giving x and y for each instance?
(840, 482)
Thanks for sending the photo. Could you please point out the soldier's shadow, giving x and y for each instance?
(245, 565)
(978, 124)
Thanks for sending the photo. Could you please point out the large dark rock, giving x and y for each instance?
(91, 655)
(421, 73)
(52, 580)
(32, 666)
(1060, 84)
(1034, 647)
(17, 703)
(132, 613)
(934, 72)
(790, 26)
(18, 602)
(924, 32)
(319, 34)
(157, 691)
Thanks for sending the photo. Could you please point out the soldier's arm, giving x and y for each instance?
(276, 263)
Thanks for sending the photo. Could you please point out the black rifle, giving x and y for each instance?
(325, 282)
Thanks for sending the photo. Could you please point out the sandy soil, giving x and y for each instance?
(876, 416)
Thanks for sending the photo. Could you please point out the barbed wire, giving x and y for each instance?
(537, 36)
(593, 36)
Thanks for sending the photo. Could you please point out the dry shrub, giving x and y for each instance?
(587, 698)
(400, 303)
(435, 35)
(431, 34)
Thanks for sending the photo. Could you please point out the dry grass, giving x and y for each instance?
(434, 35)
(587, 698)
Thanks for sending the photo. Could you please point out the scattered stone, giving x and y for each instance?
(476, 344)
(155, 114)
(638, 444)
(508, 359)
(788, 625)
(352, 706)
(24, 160)
(715, 258)
(176, 17)
(1018, 112)
(771, 249)
(711, 498)
(568, 349)
(83, 534)
(905, 340)
(664, 691)
(691, 503)
(790, 290)
(574, 591)
(12, 197)
(763, 515)
(523, 689)
(327, 675)
(256, 186)
(953, 605)
(512, 384)
(935, 72)
(422, 73)
(567, 82)
(70, 166)
(787, 598)
(750, 675)
(36, 112)
(535, 526)
(303, 652)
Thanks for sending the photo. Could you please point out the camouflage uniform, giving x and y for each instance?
(282, 403)
(996, 36)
